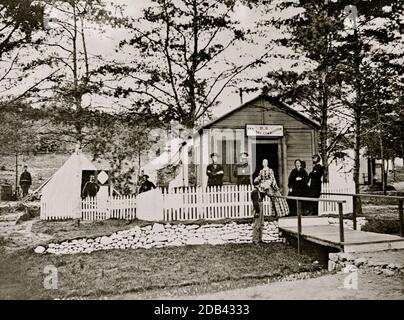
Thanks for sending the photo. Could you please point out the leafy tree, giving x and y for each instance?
(334, 63)
(124, 143)
(181, 62)
(71, 83)
(382, 122)
(19, 21)
(368, 49)
(17, 133)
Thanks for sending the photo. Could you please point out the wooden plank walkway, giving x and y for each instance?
(328, 235)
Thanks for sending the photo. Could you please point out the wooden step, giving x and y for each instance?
(355, 241)
(306, 221)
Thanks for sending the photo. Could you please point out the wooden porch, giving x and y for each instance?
(318, 230)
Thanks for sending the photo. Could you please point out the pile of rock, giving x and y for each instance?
(338, 261)
(163, 235)
(360, 222)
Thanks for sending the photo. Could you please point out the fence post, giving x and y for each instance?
(299, 226)
(400, 213)
(354, 212)
(341, 223)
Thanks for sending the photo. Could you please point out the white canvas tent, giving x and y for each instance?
(165, 158)
(61, 195)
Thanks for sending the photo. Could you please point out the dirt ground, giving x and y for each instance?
(371, 286)
(18, 236)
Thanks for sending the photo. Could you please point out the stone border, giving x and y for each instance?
(159, 235)
(341, 260)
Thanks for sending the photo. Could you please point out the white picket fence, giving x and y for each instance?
(118, 207)
(332, 207)
(56, 211)
(212, 203)
(183, 204)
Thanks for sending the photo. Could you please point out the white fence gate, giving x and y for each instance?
(118, 207)
(186, 204)
(332, 207)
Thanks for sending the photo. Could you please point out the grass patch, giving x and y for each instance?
(379, 225)
(120, 271)
(68, 229)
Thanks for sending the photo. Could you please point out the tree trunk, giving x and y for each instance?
(323, 143)
(16, 175)
(393, 163)
(76, 89)
(358, 115)
(383, 177)
(370, 168)
(356, 175)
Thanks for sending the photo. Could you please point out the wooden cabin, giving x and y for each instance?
(264, 127)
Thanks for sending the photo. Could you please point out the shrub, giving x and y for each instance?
(388, 226)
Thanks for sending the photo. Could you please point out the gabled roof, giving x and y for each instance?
(274, 101)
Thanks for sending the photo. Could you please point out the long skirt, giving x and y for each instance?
(279, 204)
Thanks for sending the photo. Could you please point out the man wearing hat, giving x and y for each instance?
(146, 184)
(315, 182)
(242, 170)
(215, 172)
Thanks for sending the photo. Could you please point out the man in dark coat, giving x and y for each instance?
(242, 170)
(25, 181)
(90, 188)
(215, 172)
(146, 185)
(315, 182)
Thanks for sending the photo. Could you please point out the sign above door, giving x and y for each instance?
(263, 130)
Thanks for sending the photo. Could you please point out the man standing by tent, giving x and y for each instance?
(25, 181)
(90, 188)
(146, 184)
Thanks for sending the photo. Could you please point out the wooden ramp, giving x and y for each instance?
(317, 230)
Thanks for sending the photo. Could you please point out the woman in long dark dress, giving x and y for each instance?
(298, 186)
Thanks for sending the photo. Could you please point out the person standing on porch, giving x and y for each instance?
(215, 172)
(258, 218)
(315, 182)
(298, 186)
(270, 187)
(242, 170)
